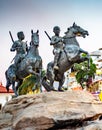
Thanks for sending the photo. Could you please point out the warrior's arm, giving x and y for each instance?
(14, 46)
(55, 40)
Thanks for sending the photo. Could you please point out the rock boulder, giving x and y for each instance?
(70, 110)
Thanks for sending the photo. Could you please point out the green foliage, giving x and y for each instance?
(29, 83)
(83, 72)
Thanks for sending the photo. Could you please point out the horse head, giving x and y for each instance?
(35, 38)
(76, 30)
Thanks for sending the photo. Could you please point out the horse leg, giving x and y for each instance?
(13, 86)
(14, 89)
(40, 78)
(85, 58)
(83, 51)
(31, 71)
(46, 84)
(82, 59)
(51, 84)
(19, 84)
(37, 84)
(8, 83)
(61, 82)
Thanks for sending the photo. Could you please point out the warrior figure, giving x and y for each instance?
(20, 47)
(58, 45)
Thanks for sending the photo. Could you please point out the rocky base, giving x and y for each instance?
(70, 110)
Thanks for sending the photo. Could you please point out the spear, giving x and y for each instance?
(11, 36)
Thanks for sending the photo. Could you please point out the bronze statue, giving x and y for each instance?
(70, 54)
(57, 43)
(31, 64)
(20, 47)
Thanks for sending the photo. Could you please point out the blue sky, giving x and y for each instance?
(24, 15)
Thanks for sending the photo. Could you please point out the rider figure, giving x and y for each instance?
(57, 43)
(20, 47)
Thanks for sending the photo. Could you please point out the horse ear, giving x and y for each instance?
(32, 31)
(37, 31)
(74, 24)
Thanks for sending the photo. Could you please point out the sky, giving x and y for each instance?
(24, 15)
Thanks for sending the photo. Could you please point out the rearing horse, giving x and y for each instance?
(31, 64)
(70, 54)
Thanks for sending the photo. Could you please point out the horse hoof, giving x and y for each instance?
(61, 89)
(14, 96)
(7, 89)
(53, 89)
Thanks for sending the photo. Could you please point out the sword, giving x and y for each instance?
(47, 35)
(11, 36)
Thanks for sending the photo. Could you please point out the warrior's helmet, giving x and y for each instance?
(21, 35)
(56, 30)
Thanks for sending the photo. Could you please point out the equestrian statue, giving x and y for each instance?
(67, 51)
(27, 61)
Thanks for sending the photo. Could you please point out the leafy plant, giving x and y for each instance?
(83, 73)
(30, 84)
